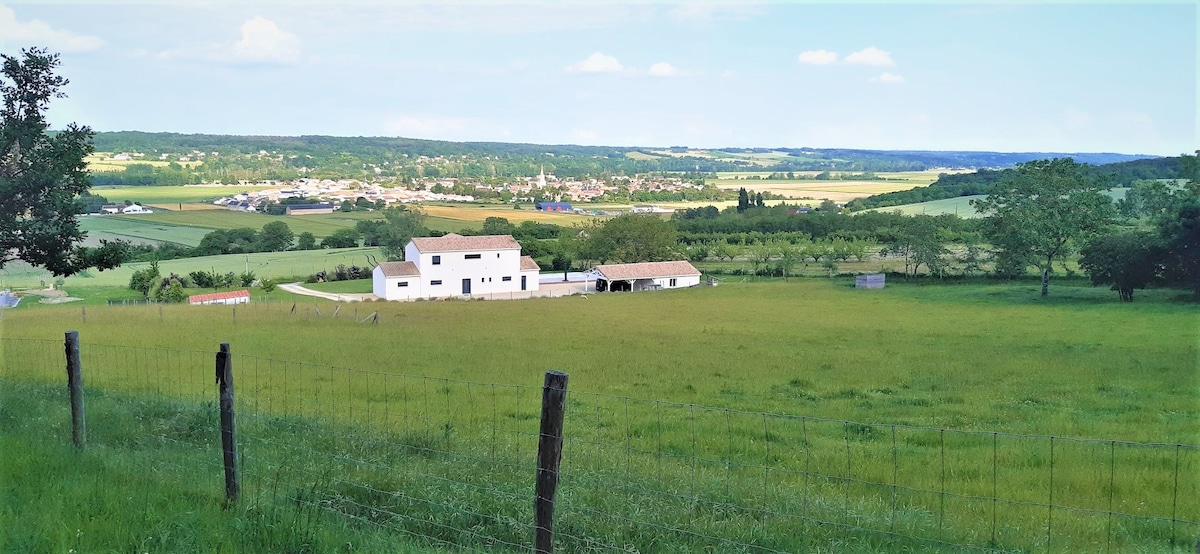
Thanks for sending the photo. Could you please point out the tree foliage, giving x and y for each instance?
(1179, 229)
(1034, 215)
(42, 174)
(401, 224)
(276, 236)
(1127, 261)
(633, 238)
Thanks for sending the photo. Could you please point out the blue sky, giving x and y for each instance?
(1066, 77)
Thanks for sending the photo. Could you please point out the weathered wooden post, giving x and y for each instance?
(228, 438)
(75, 385)
(550, 440)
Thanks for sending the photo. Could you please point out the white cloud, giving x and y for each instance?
(37, 33)
(888, 78)
(871, 56)
(664, 69)
(596, 63)
(817, 57)
(264, 42)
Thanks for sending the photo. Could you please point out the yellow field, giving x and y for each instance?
(474, 214)
(97, 163)
(804, 186)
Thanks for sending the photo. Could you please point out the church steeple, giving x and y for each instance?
(542, 178)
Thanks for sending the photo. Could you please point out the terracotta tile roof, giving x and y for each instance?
(527, 264)
(399, 269)
(455, 242)
(647, 270)
(218, 296)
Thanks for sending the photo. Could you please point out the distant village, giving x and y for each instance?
(387, 188)
(546, 191)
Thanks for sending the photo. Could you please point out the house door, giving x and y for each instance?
(466, 286)
(522, 282)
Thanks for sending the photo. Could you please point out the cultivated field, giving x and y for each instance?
(135, 229)
(837, 190)
(167, 195)
(97, 162)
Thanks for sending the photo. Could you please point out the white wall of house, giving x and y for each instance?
(531, 279)
(678, 282)
(443, 272)
(395, 288)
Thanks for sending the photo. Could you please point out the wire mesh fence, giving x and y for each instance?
(452, 463)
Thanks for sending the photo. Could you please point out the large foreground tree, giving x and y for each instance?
(42, 174)
(1034, 216)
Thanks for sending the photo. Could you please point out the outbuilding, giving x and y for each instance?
(308, 209)
(227, 297)
(553, 206)
(645, 276)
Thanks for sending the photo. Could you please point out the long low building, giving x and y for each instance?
(226, 297)
(645, 276)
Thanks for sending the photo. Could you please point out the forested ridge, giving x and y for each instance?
(1118, 174)
(277, 157)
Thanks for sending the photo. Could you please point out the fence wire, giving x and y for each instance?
(451, 464)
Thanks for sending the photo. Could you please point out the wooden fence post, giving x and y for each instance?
(228, 438)
(75, 385)
(550, 440)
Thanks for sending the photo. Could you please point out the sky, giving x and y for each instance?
(1008, 77)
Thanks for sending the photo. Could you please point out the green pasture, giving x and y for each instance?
(961, 205)
(320, 225)
(272, 265)
(690, 394)
(134, 229)
(173, 194)
(942, 345)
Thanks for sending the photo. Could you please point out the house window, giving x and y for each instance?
(472, 256)
(402, 284)
(437, 260)
(497, 254)
(672, 283)
(506, 278)
(436, 282)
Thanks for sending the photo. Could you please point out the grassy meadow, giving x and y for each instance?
(270, 265)
(975, 353)
(721, 411)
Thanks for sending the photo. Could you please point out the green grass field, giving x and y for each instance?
(133, 228)
(961, 205)
(974, 357)
(171, 194)
(273, 265)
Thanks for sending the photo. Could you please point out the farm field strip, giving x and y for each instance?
(145, 229)
(174, 194)
(273, 265)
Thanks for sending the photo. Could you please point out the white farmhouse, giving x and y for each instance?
(454, 265)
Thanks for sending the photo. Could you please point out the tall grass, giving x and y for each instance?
(706, 418)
